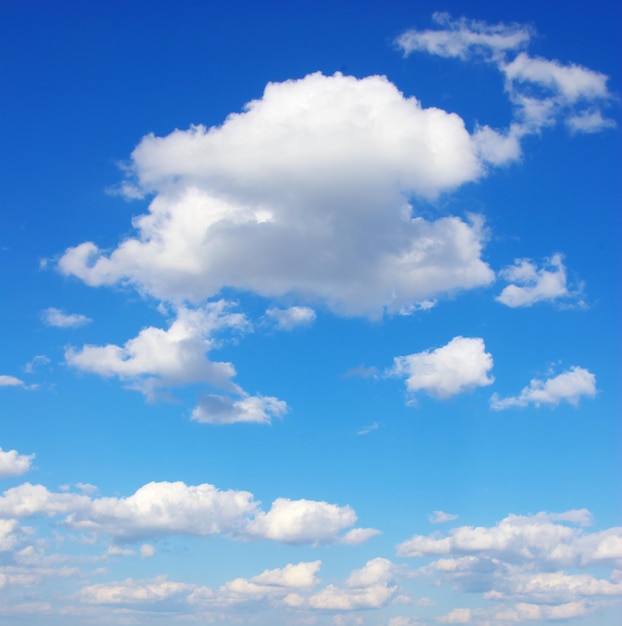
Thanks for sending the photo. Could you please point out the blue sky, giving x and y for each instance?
(310, 313)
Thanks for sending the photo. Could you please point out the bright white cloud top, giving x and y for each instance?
(300, 269)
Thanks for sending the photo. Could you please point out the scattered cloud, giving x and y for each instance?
(12, 463)
(292, 317)
(368, 429)
(230, 201)
(548, 283)
(37, 361)
(60, 319)
(440, 517)
(520, 564)
(460, 365)
(542, 91)
(570, 386)
(217, 409)
(10, 381)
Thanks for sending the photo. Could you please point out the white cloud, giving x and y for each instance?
(60, 319)
(169, 508)
(147, 551)
(372, 586)
(519, 563)
(292, 317)
(440, 517)
(542, 91)
(160, 358)
(460, 365)
(302, 521)
(216, 409)
(130, 591)
(12, 463)
(570, 386)
(10, 381)
(572, 82)
(37, 361)
(305, 193)
(550, 540)
(368, 429)
(535, 285)
(457, 616)
(464, 38)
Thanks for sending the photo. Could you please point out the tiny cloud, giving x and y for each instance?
(60, 319)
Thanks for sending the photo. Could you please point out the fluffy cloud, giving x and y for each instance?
(304, 192)
(165, 508)
(60, 319)
(158, 359)
(460, 365)
(542, 91)
(519, 563)
(533, 284)
(289, 587)
(545, 539)
(292, 317)
(12, 463)
(569, 386)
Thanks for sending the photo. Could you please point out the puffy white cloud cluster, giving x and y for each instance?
(531, 285)
(570, 386)
(12, 463)
(291, 587)
(460, 365)
(169, 508)
(542, 91)
(157, 359)
(306, 192)
(520, 563)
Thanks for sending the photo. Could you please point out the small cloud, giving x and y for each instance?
(147, 551)
(357, 536)
(569, 387)
(362, 371)
(440, 517)
(118, 551)
(532, 284)
(368, 429)
(424, 305)
(460, 365)
(37, 361)
(14, 464)
(87, 488)
(10, 381)
(218, 409)
(293, 317)
(60, 319)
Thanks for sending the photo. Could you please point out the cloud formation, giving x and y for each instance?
(460, 365)
(532, 284)
(60, 319)
(12, 463)
(172, 508)
(292, 317)
(306, 192)
(542, 91)
(570, 386)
